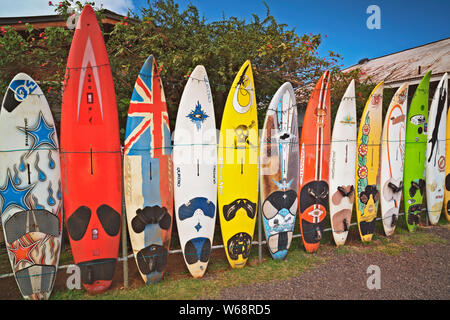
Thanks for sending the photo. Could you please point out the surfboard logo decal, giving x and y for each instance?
(284, 184)
(23, 88)
(89, 62)
(198, 115)
(348, 120)
(242, 97)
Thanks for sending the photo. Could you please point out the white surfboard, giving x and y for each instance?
(30, 187)
(392, 159)
(195, 162)
(435, 161)
(342, 166)
(279, 171)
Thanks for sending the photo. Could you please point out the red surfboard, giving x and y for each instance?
(90, 156)
(314, 159)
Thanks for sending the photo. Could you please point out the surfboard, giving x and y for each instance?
(91, 156)
(342, 166)
(148, 180)
(435, 160)
(279, 171)
(195, 169)
(314, 161)
(368, 163)
(392, 159)
(238, 168)
(30, 187)
(415, 154)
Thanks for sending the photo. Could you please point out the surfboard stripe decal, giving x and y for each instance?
(89, 59)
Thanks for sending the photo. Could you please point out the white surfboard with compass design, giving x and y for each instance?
(30, 187)
(194, 163)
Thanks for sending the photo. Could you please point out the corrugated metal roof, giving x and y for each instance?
(408, 65)
(6, 21)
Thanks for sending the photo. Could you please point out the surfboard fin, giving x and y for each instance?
(394, 220)
(318, 235)
(345, 225)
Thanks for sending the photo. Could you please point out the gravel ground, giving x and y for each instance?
(422, 273)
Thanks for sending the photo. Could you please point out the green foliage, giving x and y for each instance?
(179, 40)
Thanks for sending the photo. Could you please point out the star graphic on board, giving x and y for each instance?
(283, 185)
(198, 227)
(11, 195)
(42, 134)
(21, 252)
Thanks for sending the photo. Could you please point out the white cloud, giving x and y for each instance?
(22, 8)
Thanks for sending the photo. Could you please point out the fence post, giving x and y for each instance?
(259, 227)
(124, 238)
(124, 248)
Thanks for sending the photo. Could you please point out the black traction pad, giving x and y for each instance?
(78, 222)
(24, 222)
(10, 101)
(413, 218)
(314, 192)
(309, 231)
(94, 270)
(230, 210)
(280, 200)
(417, 186)
(279, 241)
(152, 258)
(367, 227)
(109, 219)
(25, 276)
(239, 244)
(197, 249)
(151, 215)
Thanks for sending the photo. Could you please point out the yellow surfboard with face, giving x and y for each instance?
(238, 168)
(368, 163)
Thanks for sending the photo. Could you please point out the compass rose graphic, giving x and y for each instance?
(197, 116)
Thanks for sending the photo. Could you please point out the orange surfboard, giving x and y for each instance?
(90, 156)
(314, 159)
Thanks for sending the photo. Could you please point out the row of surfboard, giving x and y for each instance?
(198, 177)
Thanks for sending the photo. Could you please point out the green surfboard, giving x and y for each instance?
(415, 154)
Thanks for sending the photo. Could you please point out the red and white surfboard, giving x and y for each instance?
(90, 156)
(314, 160)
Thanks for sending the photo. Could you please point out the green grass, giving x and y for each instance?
(219, 276)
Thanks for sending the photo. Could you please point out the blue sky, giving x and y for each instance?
(404, 24)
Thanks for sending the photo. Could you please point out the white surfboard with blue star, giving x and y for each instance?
(30, 187)
(195, 161)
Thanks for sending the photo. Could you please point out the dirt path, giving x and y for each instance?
(421, 273)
